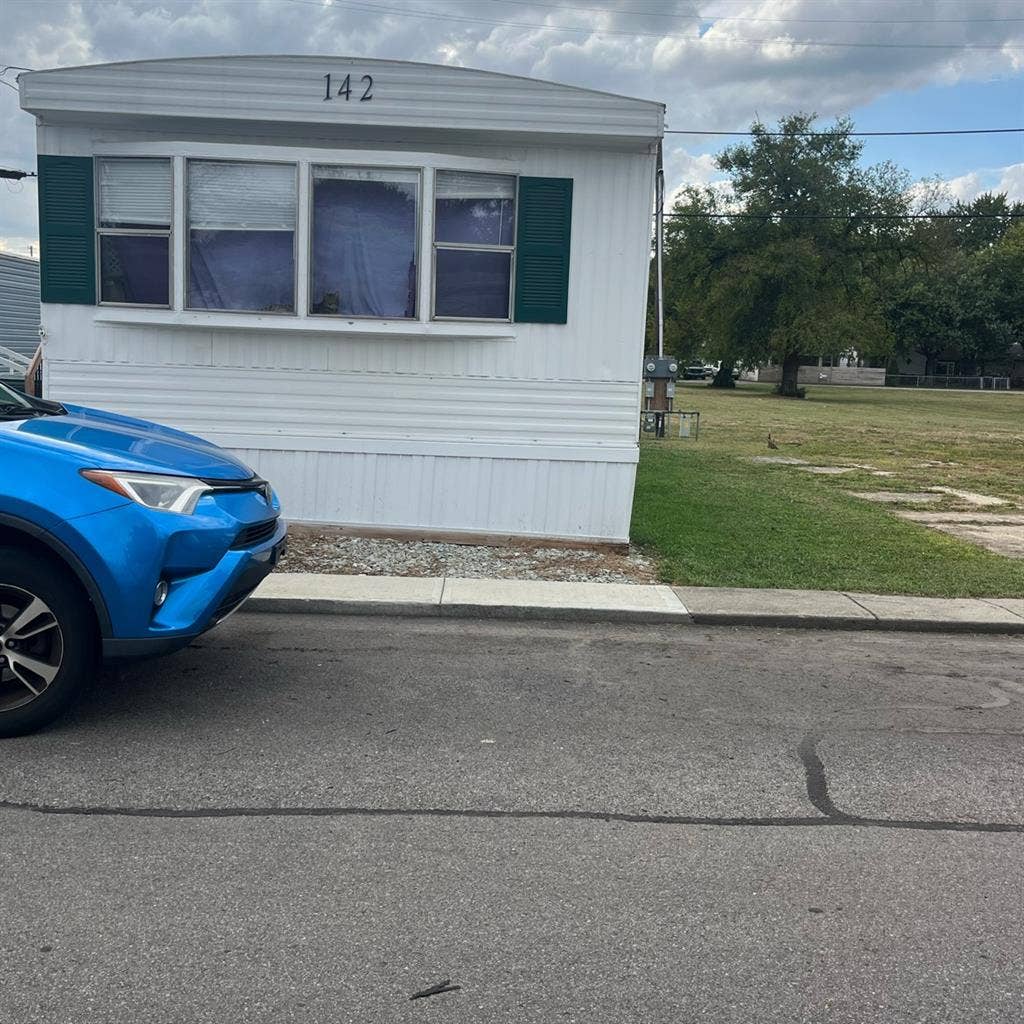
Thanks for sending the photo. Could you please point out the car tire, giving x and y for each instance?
(48, 641)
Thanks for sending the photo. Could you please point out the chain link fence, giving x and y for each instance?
(912, 380)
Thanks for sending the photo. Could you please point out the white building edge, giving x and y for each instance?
(463, 424)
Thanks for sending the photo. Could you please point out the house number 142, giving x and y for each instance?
(345, 89)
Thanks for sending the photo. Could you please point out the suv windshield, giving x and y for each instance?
(15, 405)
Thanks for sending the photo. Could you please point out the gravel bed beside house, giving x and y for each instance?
(322, 551)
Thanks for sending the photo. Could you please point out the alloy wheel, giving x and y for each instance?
(31, 647)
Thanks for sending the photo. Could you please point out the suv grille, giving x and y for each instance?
(249, 536)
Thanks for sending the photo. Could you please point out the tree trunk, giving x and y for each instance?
(723, 377)
(790, 369)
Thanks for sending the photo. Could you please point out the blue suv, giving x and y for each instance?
(118, 539)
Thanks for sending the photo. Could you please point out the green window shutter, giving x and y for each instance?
(543, 232)
(67, 250)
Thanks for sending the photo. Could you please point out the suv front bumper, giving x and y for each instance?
(243, 577)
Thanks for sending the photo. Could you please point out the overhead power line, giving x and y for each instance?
(695, 15)
(860, 135)
(844, 216)
(405, 12)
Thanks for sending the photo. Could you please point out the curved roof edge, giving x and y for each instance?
(291, 88)
(344, 57)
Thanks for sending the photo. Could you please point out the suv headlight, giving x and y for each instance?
(163, 493)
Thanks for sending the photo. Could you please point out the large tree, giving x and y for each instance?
(795, 260)
(956, 292)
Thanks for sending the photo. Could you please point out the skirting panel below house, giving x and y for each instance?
(525, 497)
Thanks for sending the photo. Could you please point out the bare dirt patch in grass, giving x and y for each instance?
(1002, 534)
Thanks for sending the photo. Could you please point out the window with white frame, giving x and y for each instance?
(134, 229)
(474, 245)
(241, 236)
(365, 226)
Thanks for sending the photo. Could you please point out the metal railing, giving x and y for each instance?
(13, 364)
(913, 380)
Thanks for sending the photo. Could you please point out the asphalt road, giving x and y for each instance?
(313, 818)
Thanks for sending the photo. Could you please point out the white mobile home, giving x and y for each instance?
(412, 296)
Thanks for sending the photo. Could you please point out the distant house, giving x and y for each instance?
(953, 369)
(19, 315)
(912, 370)
(830, 369)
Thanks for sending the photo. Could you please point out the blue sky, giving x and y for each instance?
(998, 103)
(717, 64)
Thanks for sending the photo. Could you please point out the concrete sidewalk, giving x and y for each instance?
(620, 602)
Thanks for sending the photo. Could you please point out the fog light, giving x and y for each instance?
(160, 595)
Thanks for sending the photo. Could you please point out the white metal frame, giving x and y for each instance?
(309, 175)
(187, 232)
(100, 232)
(468, 247)
(303, 159)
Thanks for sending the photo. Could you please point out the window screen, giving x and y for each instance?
(134, 230)
(241, 243)
(474, 238)
(135, 193)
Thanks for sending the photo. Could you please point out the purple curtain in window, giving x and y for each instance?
(364, 248)
(242, 270)
(472, 283)
(134, 269)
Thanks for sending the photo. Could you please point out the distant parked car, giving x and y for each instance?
(697, 373)
(118, 539)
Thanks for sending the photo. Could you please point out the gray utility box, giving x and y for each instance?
(660, 374)
(660, 368)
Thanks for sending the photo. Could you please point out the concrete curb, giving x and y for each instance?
(467, 598)
(338, 606)
(306, 593)
(876, 625)
(831, 609)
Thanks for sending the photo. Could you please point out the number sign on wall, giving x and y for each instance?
(361, 90)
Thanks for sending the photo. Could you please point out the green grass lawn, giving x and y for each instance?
(711, 517)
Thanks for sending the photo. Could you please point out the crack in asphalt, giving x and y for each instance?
(829, 816)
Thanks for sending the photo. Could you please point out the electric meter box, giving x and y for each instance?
(660, 368)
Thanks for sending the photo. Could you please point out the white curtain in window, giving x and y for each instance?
(135, 191)
(247, 196)
(364, 241)
(467, 185)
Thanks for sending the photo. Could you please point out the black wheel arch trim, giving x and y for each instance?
(74, 563)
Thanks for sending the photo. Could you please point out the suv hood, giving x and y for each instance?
(104, 440)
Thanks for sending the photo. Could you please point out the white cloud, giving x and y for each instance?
(965, 187)
(715, 76)
(1012, 183)
(683, 169)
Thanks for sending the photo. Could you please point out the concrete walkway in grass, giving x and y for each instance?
(621, 602)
